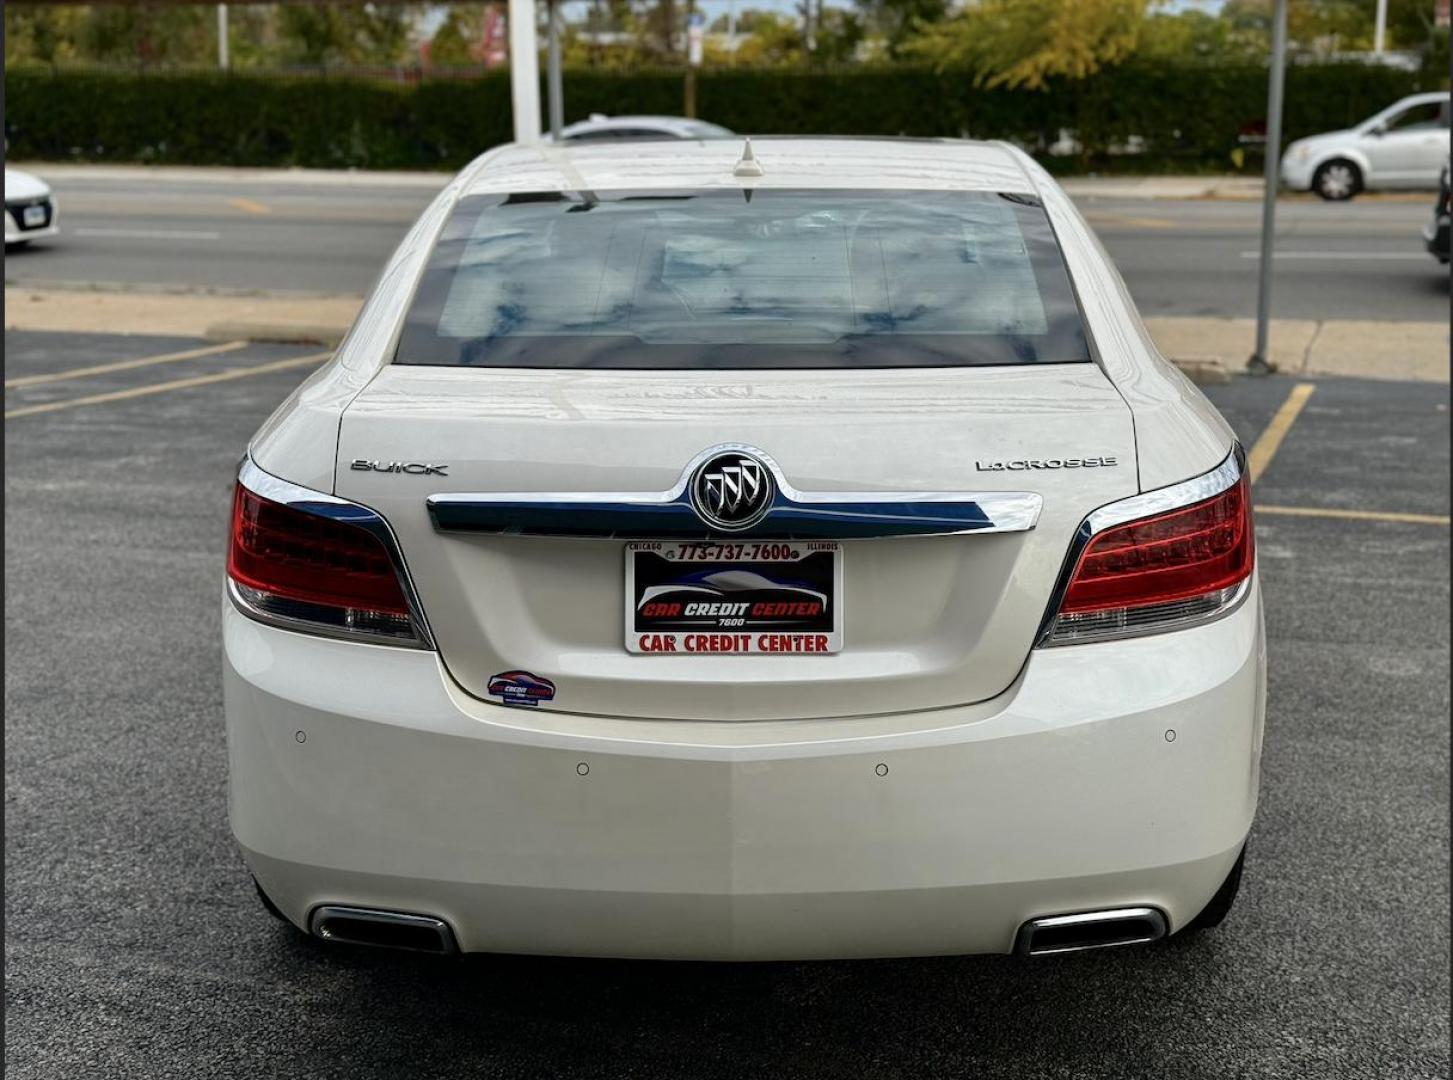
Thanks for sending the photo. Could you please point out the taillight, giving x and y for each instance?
(1165, 570)
(314, 572)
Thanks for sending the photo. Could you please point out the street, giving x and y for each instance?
(1358, 260)
(136, 946)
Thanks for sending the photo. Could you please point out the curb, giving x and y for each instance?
(265, 333)
(240, 175)
(1204, 370)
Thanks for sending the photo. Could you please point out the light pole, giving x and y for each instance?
(695, 37)
(524, 71)
(557, 87)
(223, 60)
(1259, 364)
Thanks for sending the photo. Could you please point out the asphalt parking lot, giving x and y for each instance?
(135, 946)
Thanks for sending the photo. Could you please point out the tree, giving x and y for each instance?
(42, 32)
(145, 34)
(747, 21)
(1327, 25)
(895, 21)
(1332, 25)
(1187, 35)
(839, 33)
(635, 40)
(659, 23)
(774, 39)
(321, 34)
(456, 42)
(1022, 43)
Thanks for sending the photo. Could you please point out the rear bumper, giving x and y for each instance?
(361, 775)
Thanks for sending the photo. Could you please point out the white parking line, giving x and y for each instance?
(175, 384)
(148, 234)
(125, 365)
(1360, 256)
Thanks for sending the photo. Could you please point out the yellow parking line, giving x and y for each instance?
(1270, 441)
(250, 206)
(124, 365)
(1356, 515)
(175, 384)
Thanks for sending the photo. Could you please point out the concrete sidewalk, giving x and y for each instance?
(1206, 349)
(1127, 187)
(1358, 347)
(1102, 187)
(295, 318)
(1163, 187)
(235, 177)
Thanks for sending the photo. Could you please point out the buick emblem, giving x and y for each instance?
(732, 490)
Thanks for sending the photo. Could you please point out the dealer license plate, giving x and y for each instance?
(32, 216)
(769, 597)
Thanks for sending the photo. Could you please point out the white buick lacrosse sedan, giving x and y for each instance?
(745, 551)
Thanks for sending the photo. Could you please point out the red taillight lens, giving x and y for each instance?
(1164, 572)
(309, 568)
(1174, 556)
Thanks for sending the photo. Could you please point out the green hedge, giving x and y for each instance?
(1190, 116)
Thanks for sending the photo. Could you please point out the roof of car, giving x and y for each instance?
(605, 123)
(939, 164)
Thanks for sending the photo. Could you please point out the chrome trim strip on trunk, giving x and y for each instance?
(278, 490)
(793, 514)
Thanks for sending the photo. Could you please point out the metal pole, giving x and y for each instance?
(524, 71)
(1258, 364)
(689, 102)
(1379, 29)
(557, 89)
(223, 61)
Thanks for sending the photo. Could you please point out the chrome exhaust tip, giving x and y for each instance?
(382, 929)
(1090, 930)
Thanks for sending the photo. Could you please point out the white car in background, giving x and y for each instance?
(600, 128)
(30, 208)
(1404, 146)
(692, 554)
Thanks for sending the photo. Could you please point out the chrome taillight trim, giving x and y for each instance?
(1187, 493)
(1147, 504)
(265, 485)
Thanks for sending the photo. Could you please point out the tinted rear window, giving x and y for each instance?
(733, 279)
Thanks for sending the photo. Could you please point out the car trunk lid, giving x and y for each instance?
(927, 621)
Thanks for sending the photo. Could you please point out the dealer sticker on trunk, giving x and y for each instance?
(768, 597)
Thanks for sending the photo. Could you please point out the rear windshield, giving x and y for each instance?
(744, 279)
